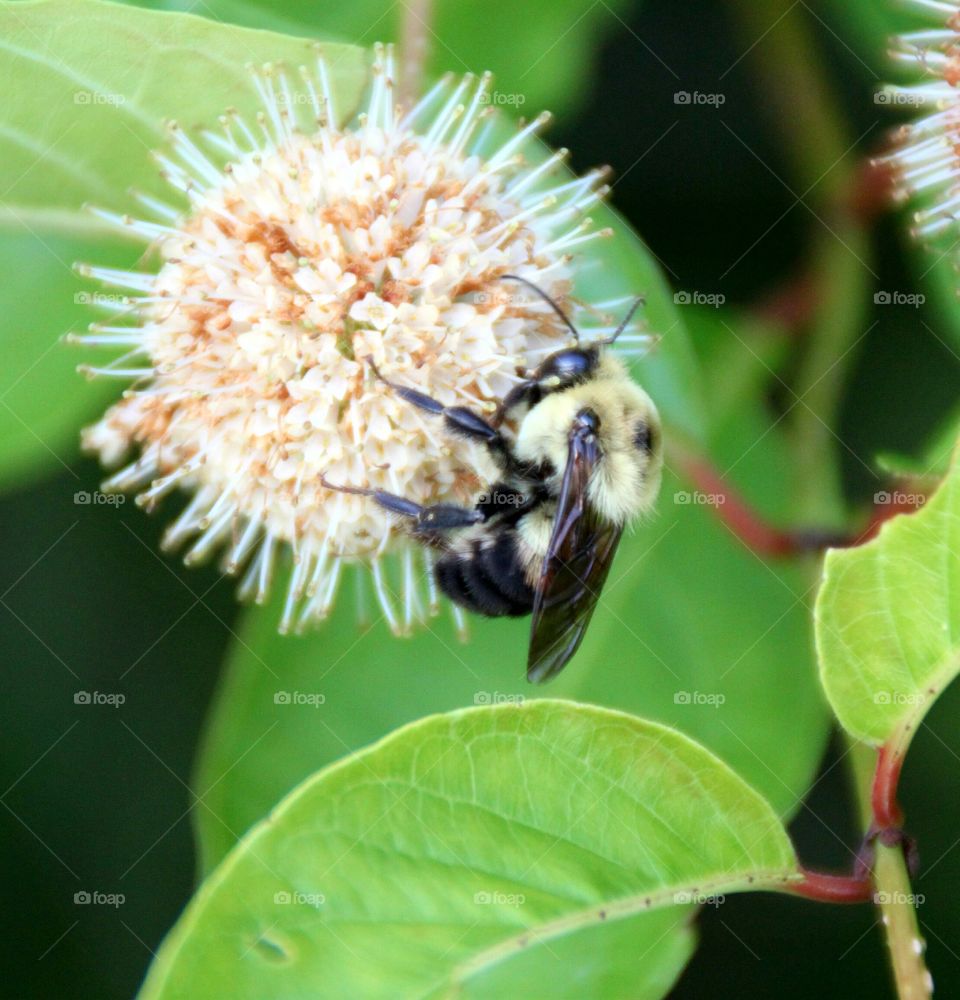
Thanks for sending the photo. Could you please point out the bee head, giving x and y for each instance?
(566, 367)
(625, 426)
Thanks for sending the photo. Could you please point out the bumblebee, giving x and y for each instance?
(585, 459)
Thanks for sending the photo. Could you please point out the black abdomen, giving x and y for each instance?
(487, 579)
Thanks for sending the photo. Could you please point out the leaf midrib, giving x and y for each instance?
(616, 909)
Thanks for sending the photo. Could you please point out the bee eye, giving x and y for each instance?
(643, 438)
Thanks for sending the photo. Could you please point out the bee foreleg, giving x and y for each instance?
(458, 419)
(527, 393)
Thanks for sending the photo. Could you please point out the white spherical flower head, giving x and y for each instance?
(927, 162)
(312, 258)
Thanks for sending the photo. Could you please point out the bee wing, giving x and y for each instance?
(574, 569)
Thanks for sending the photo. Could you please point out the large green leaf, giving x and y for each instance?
(863, 31)
(888, 621)
(936, 271)
(623, 267)
(541, 55)
(43, 401)
(467, 855)
(88, 86)
(744, 354)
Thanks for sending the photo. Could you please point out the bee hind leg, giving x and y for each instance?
(427, 520)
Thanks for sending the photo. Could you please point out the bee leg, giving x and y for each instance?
(458, 419)
(527, 393)
(433, 519)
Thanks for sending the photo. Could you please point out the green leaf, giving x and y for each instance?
(43, 402)
(888, 621)
(864, 29)
(542, 58)
(744, 355)
(933, 459)
(935, 268)
(88, 86)
(622, 266)
(429, 864)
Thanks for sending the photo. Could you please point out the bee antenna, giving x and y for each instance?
(546, 298)
(637, 302)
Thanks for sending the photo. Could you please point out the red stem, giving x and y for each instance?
(766, 539)
(791, 305)
(751, 527)
(887, 814)
(833, 888)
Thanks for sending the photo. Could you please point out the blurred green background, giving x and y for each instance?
(98, 799)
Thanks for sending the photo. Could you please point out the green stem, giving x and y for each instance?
(893, 893)
(824, 177)
(839, 323)
(414, 47)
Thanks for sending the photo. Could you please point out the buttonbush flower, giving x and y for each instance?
(927, 163)
(308, 247)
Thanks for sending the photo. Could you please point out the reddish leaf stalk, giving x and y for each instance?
(766, 539)
(887, 814)
(750, 526)
(833, 888)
